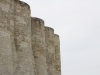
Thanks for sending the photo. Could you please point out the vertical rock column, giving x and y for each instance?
(6, 16)
(12, 37)
(57, 55)
(23, 39)
(50, 50)
(38, 46)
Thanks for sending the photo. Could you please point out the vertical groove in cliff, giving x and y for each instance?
(38, 45)
(23, 39)
(57, 55)
(50, 50)
(6, 57)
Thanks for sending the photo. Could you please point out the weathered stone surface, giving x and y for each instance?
(50, 50)
(23, 39)
(57, 55)
(6, 34)
(38, 46)
(6, 59)
(27, 47)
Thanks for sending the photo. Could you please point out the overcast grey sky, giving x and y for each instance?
(78, 24)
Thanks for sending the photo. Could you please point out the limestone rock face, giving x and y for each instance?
(38, 46)
(27, 47)
(23, 39)
(6, 51)
(57, 55)
(50, 50)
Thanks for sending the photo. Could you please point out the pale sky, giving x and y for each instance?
(78, 24)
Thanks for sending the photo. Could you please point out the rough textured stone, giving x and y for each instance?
(57, 55)
(38, 46)
(23, 39)
(27, 47)
(6, 50)
(50, 50)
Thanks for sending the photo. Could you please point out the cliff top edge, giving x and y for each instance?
(37, 19)
(22, 3)
(49, 28)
